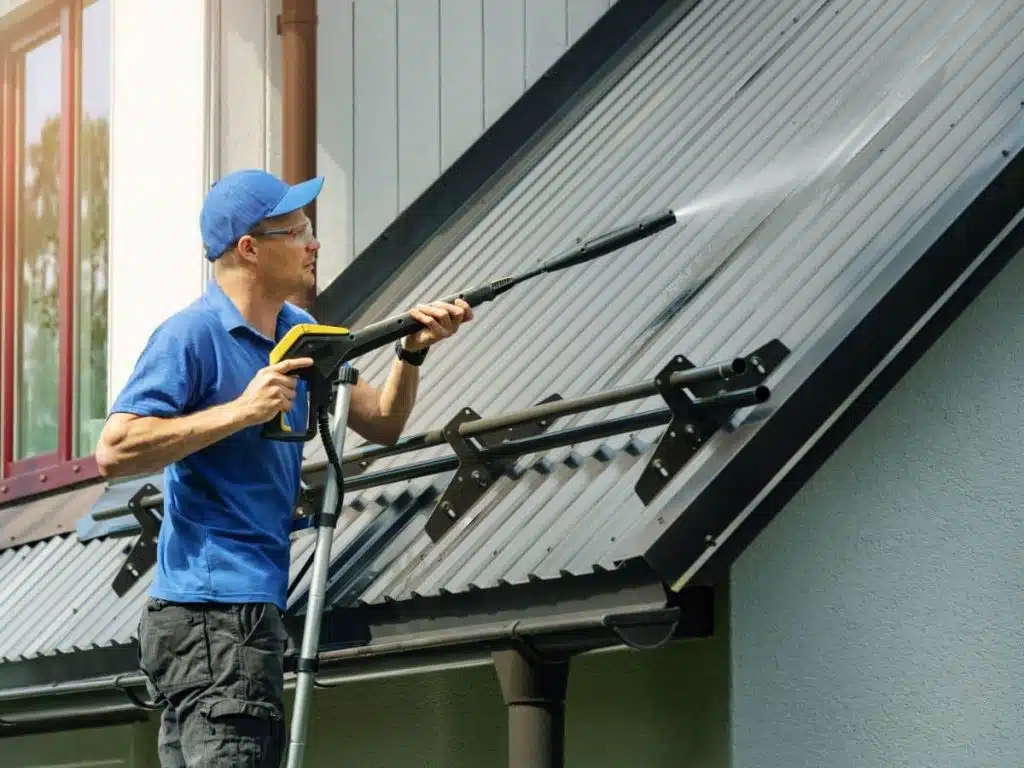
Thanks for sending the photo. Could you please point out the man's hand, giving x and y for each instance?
(440, 320)
(271, 391)
(133, 444)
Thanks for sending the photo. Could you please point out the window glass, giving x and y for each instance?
(91, 299)
(36, 263)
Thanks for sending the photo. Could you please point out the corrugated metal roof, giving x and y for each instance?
(495, 543)
(854, 120)
(904, 96)
(55, 597)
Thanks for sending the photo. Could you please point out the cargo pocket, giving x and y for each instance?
(241, 732)
(237, 712)
(262, 647)
(173, 649)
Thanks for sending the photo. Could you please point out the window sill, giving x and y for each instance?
(48, 479)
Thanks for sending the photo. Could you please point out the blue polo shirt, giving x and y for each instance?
(228, 507)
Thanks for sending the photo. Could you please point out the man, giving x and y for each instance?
(211, 636)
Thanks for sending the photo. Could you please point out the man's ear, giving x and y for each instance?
(246, 248)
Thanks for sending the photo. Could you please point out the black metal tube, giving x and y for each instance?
(606, 242)
(449, 463)
(558, 439)
(516, 448)
(534, 693)
(736, 399)
(547, 410)
(397, 474)
(600, 399)
(368, 453)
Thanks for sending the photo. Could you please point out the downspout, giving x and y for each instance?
(297, 27)
(534, 691)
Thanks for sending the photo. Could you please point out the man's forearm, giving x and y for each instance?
(149, 443)
(397, 398)
(380, 415)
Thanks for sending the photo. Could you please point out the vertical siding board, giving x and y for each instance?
(504, 56)
(406, 86)
(462, 79)
(273, 64)
(376, 118)
(419, 72)
(581, 14)
(243, 59)
(336, 139)
(545, 35)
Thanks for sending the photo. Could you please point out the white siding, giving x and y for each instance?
(404, 88)
(248, 72)
(156, 167)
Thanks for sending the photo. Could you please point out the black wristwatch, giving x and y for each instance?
(412, 358)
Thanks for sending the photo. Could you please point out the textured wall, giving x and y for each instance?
(112, 747)
(248, 78)
(878, 620)
(657, 709)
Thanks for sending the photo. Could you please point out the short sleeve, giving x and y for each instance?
(167, 378)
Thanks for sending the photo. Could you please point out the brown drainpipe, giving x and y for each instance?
(297, 27)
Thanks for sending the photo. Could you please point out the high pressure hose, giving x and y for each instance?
(346, 375)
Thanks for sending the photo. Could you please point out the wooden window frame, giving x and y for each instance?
(59, 469)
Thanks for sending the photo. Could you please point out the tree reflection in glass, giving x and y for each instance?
(36, 386)
(91, 295)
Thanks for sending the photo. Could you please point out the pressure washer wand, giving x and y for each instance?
(331, 348)
(393, 328)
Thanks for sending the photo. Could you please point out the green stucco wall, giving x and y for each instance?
(659, 709)
(878, 620)
(123, 746)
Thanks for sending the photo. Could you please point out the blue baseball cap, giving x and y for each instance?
(242, 199)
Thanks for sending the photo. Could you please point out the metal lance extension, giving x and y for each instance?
(332, 346)
(333, 437)
(391, 329)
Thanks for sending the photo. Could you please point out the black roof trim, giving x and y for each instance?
(848, 366)
(561, 616)
(611, 37)
(61, 667)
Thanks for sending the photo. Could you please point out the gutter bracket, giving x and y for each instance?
(645, 631)
(143, 553)
(147, 705)
(475, 474)
(699, 415)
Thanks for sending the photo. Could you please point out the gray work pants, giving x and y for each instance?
(217, 669)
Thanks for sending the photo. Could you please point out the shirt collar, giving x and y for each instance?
(232, 319)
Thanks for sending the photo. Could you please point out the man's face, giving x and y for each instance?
(284, 254)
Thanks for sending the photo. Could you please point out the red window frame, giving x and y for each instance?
(59, 469)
